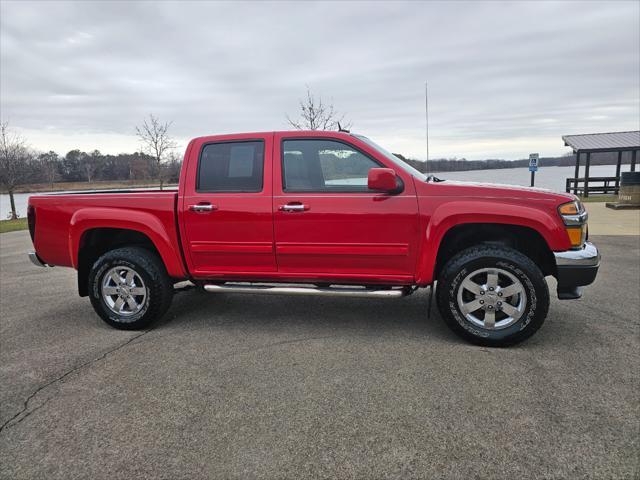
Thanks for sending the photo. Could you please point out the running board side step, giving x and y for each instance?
(317, 291)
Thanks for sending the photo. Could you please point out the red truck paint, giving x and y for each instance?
(62, 221)
(367, 237)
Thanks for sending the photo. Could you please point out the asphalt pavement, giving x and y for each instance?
(249, 386)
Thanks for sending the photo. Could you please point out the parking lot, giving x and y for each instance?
(233, 386)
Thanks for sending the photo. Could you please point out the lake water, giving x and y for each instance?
(552, 178)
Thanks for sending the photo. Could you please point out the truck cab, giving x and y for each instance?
(296, 206)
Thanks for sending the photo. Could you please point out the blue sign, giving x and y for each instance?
(533, 162)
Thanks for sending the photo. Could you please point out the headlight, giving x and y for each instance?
(575, 218)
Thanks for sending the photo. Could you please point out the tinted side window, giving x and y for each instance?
(231, 167)
(324, 165)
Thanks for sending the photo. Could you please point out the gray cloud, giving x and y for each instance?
(505, 78)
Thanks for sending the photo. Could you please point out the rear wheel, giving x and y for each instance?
(493, 296)
(129, 288)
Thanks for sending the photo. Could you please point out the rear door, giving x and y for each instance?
(328, 224)
(226, 210)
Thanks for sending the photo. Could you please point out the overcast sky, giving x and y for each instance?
(505, 78)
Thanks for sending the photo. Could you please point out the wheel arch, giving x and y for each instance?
(526, 240)
(94, 233)
(458, 225)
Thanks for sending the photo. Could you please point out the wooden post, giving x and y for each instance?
(633, 161)
(575, 175)
(586, 175)
(618, 172)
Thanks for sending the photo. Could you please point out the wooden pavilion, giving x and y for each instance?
(587, 144)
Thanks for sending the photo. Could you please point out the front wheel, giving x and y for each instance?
(492, 295)
(129, 288)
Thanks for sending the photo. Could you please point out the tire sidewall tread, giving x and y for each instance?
(158, 284)
(513, 261)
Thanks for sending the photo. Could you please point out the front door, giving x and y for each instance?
(226, 207)
(328, 224)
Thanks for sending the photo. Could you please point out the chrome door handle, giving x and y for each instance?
(203, 207)
(294, 207)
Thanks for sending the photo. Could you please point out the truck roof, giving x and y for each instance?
(289, 133)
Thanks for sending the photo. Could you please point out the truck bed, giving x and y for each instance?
(58, 215)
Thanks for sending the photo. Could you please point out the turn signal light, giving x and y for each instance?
(568, 209)
(577, 235)
(573, 214)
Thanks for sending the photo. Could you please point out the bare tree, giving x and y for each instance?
(172, 168)
(49, 164)
(156, 141)
(15, 159)
(91, 163)
(317, 115)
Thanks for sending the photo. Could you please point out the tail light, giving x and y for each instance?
(31, 221)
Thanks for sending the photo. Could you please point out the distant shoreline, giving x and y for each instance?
(435, 170)
(452, 166)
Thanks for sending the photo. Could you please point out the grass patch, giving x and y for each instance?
(13, 225)
(599, 198)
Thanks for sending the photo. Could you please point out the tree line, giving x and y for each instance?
(79, 166)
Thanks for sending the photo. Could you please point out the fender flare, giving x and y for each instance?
(127, 219)
(456, 213)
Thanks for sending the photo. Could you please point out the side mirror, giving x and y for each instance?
(383, 180)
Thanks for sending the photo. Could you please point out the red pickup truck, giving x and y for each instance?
(320, 213)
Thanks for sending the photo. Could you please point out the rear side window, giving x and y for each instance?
(231, 167)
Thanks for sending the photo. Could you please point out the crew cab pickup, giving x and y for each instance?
(320, 213)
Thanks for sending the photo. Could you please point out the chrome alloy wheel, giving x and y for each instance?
(123, 291)
(492, 298)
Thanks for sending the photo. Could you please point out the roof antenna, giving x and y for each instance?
(340, 129)
(432, 178)
(426, 112)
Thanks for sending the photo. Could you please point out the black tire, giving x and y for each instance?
(157, 286)
(504, 259)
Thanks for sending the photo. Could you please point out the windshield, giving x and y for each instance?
(403, 165)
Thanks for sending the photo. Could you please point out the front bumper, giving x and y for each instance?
(575, 269)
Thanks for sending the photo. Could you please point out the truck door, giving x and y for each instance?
(226, 210)
(328, 224)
